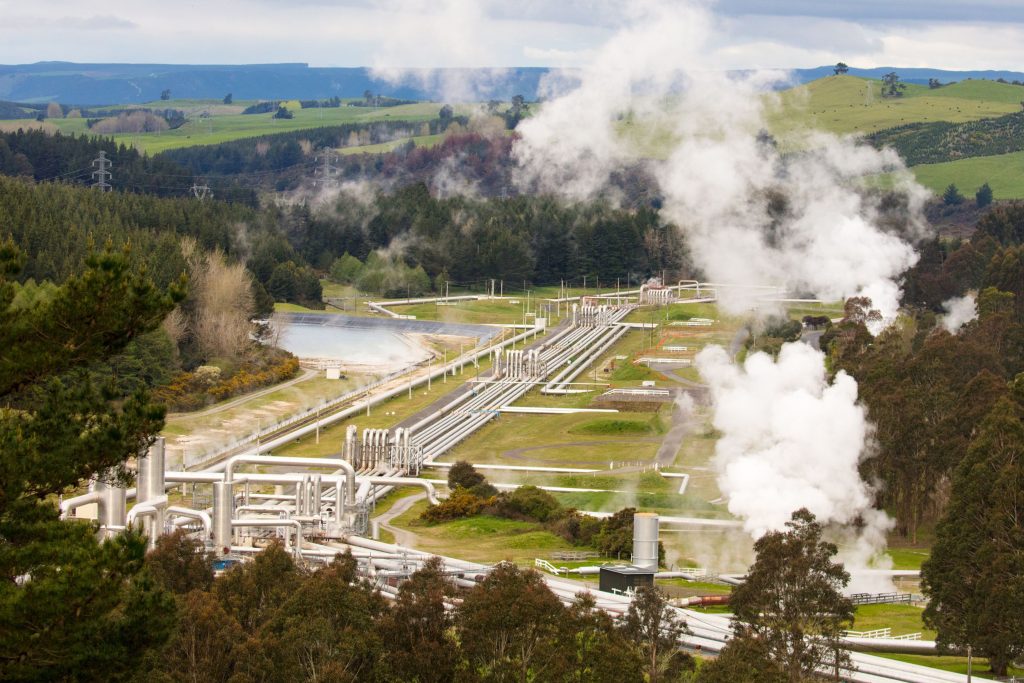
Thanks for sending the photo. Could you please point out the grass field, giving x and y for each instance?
(902, 619)
(482, 538)
(848, 104)
(387, 414)
(481, 311)
(222, 423)
(227, 123)
(954, 664)
(1003, 172)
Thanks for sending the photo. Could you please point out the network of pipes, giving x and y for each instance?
(320, 507)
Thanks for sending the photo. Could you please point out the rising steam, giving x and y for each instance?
(790, 439)
(960, 310)
(756, 211)
(752, 214)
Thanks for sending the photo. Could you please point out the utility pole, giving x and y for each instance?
(102, 175)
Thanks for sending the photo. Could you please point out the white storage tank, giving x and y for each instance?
(645, 540)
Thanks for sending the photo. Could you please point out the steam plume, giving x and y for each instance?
(650, 87)
(960, 310)
(790, 439)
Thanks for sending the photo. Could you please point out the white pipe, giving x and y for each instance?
(202, 516)
(350, 482)
(272, 523)
(407, 481)
(69, 504)
(146, 509)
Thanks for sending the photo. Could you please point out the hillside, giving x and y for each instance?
(849, 104)
(224, 124)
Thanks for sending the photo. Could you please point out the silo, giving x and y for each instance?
(645, 540)
(223, 509)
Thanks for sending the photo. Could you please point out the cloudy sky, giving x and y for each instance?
(970, 34)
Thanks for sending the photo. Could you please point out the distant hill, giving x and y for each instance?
(95, 84)
(908, 75)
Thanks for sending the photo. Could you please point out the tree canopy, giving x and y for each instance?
(975, 574)
(72, 607)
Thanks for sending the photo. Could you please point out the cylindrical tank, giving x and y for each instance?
(645, 540)
(150, 480)
(223, 507)
(112, 510)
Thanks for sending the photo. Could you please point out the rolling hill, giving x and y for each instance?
(849, 104)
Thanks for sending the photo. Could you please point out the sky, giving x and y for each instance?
(978, 34)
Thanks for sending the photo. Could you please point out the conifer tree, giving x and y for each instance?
(71, 607)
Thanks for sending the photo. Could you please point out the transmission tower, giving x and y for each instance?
(201, 192)
(101, 175)
(327, 170)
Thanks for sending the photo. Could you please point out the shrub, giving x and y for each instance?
(528, 503)
(461, 503)
(463, 474)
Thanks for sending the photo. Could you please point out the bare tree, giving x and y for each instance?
(222, 301)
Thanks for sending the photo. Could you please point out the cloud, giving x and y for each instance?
(92, 23)
(500, 34)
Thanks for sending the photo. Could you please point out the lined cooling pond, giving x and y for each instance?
(374, 344)
(352, 345)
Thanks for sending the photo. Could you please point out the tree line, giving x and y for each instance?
(281, 152)
(948, 407)
(43, 156)
(537, 239)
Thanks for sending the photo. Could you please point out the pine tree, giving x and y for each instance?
(70, 606)
(983, 197)
(951, 196)
(973, 576)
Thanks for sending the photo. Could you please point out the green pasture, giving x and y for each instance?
(953, 664)
(902, 619)
(479, 311)
(224, 124)
(1003, 172)
(482, 538)
(849, 104)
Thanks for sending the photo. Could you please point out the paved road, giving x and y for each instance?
(812, 338)
(682, 426)
(402, 537)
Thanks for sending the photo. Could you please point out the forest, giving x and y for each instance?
(939, 141)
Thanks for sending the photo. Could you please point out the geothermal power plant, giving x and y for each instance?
(320, 507)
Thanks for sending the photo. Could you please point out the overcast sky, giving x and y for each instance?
(978, 34)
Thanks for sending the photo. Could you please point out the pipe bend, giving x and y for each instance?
(201, 515)
(66, 506)
(350, 479)
(408, 481)
(146, 509)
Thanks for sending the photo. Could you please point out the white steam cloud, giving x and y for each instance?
(756, 211)
(790, 440)
(650, 91)
(960, 310)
